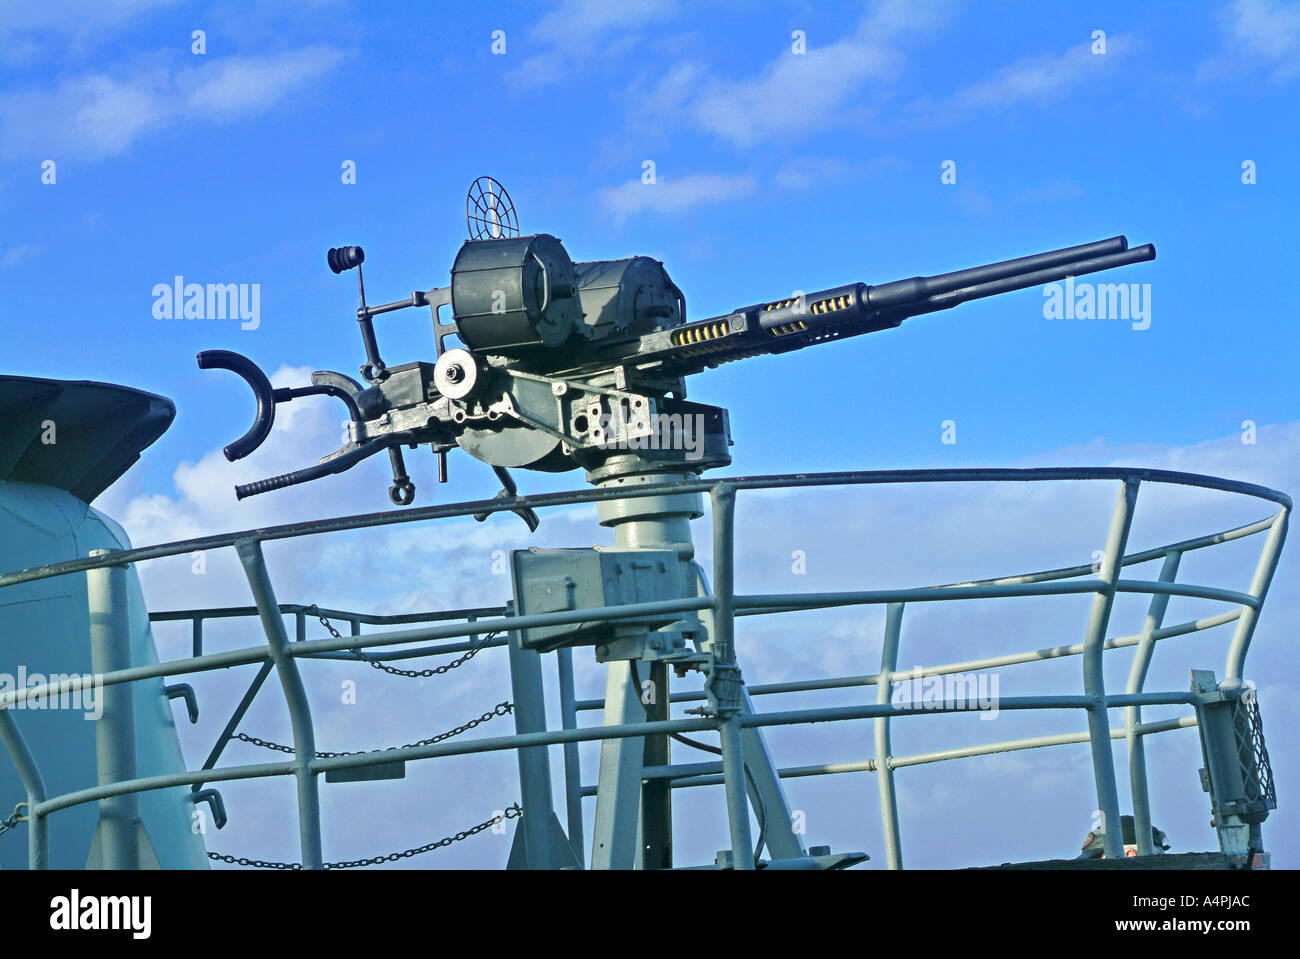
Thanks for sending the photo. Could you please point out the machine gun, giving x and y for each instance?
(565, 364)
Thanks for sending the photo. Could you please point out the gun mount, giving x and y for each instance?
(564, 365)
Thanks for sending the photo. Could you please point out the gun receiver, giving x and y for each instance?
(568, 365)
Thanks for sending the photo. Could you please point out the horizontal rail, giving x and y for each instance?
(578, 497)
(800, 601)
(1133, 559)
(370, 619)
(971, 665)
(558, 737)
(686, 775)
(793, 602)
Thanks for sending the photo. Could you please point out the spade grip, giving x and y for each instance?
(261, 386)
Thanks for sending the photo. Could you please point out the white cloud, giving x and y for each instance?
(1259, 33)
(674, 196)
(1270, 29)
(12, 255)
(1039, 80)
(239, 85)
(73, 16)
(32, 31)
(802, 172)
(578, 32)
(101, 114)
(796, 94)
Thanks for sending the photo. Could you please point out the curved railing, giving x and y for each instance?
(108, 601)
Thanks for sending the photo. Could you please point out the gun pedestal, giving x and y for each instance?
(633, 826)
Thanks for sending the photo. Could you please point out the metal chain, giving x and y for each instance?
(501, 709)
(12, 821)
(514, 812)
(395, 671)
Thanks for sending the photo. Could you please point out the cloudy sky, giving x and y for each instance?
(774, 171)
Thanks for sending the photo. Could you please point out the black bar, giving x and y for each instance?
(947, 300)
(901, 292)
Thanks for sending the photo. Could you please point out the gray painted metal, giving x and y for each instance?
(884, 760)
(614, 842)
(1133, 715)
(631, 726)
(534, 764)
(295, 696)
(38, 835)
(110, 650)
(572, 766)
(1103, 762)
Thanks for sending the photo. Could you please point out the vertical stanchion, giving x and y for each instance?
(657, 794)
(1259, 589)
(1137, 764)
(725, 682)
(1094, 686)
(572, 763)
(295, 696)
(534, 763)
(884, 766)
(110, 650)
(38, 836)
(616, 826)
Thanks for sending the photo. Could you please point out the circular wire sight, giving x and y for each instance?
(489, 212)
(345, 258)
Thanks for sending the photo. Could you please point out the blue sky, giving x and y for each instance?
(775, 171)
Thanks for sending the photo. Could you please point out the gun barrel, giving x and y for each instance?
(899, 292)
(953, 295)
(808, 319)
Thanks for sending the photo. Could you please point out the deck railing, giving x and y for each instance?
(456, 631)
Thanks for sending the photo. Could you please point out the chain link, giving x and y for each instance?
(411, 673)
(12, 821)
(501, 709)
(514, 812)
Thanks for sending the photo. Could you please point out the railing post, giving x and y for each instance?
(572, 763)
(1103, 761)
(884, 761)
(534, 761)
(295, 697)
(110, 650)
(38, 835)
(1137, 765)
(726, 683)
(1259, 584)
